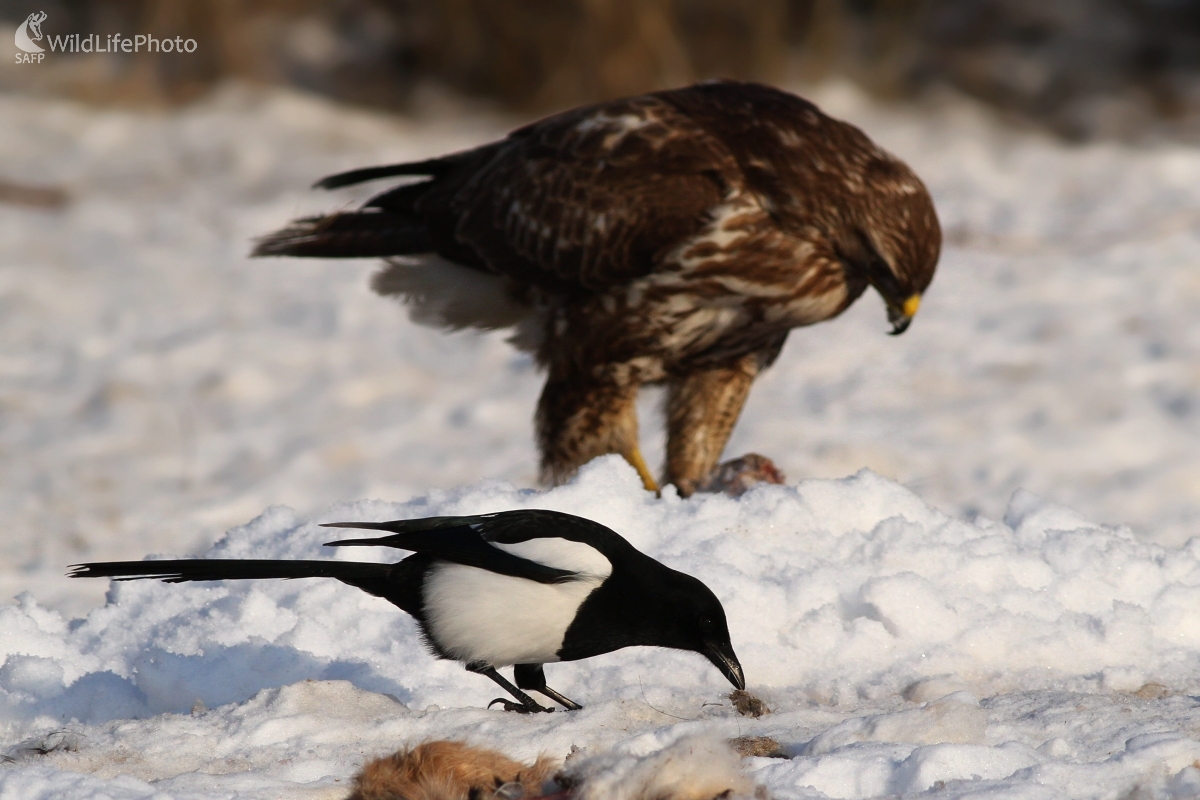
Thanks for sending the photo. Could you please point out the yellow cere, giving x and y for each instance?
(911, 305)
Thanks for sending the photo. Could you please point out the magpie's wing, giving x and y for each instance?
(544, 546)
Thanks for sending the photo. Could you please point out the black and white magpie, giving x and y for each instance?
(521, 588)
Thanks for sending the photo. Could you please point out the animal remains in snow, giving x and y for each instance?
(694, 767)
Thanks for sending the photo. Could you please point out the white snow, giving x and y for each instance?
(157, 389)
(690, 768)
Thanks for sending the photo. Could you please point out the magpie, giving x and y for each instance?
(520, 588)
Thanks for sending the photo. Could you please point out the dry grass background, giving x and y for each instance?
(1082, 68)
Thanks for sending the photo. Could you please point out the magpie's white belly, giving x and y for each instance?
(476, 615)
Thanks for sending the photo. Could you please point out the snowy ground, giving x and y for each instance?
(157, 388)
(898, 647)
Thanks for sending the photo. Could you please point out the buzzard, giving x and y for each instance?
(671, 238)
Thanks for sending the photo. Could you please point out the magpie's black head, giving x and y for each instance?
(692, 618)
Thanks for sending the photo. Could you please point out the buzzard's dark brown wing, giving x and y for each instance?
(578, 202)
(587, 199)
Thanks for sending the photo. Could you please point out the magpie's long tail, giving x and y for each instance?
(369, 577)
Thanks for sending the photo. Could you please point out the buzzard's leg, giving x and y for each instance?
(532, 676)
(702, 409)
(580, 418)
(643, 471)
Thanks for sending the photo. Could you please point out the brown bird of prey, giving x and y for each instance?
(675, 237)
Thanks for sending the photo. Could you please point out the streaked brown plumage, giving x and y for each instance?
(675, 237)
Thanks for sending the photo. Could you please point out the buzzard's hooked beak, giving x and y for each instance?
(901, 316)
(724, 660)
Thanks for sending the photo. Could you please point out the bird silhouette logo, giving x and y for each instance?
(29, 33)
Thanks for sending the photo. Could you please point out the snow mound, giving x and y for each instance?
(870, 621)
(691, 768)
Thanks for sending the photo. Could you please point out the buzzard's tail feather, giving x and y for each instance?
(433, 166)
(353, 234)
(364, 576)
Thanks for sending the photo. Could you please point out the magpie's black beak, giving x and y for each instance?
(723, 659)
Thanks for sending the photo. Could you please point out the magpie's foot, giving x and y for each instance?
(565, 702)
(520, 708)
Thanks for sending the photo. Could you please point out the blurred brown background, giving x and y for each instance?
(1082, 68)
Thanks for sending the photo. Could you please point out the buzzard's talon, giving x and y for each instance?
(635, 459)
(520, 708)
